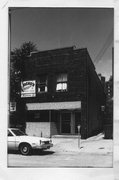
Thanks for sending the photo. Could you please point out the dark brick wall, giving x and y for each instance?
(96, 99)
(61, 61)
(83, 83)
(74, 64)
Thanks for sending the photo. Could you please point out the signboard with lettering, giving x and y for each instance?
(28, 88)
(12, 106)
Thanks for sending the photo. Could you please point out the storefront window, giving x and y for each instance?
(38, 116)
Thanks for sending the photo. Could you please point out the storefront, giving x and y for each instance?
(47, 119)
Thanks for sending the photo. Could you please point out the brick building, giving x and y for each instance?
(108, 121)
(109, 88)
(66, 92)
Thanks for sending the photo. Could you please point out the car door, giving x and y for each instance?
(11, 141)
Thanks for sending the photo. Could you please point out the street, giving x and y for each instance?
(55, 159)
(93, 152)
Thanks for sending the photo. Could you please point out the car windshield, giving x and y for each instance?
(17, 132)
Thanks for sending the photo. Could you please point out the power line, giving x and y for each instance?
(104, 47)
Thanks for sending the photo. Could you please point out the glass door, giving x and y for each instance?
(66, 123)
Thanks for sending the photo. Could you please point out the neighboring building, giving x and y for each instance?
(62, 90)
(102, 79)
(108, 120)
(109, 88)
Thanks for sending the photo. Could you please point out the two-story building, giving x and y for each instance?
(62, 90)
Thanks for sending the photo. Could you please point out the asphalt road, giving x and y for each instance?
(54, 159)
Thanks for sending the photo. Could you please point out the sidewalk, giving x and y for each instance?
(95, 144)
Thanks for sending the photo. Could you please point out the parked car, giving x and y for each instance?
(18, 140)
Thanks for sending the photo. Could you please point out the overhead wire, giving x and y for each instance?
(107, 43)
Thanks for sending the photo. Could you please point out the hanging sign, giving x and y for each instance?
(12, 106)
(28, 88)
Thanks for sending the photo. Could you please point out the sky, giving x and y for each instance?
(52, 28)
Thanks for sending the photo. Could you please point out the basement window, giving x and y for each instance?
(61, 83)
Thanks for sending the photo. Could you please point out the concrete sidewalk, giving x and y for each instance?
(95, 144)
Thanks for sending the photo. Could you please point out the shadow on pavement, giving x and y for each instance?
(45, 152)
(34, 152)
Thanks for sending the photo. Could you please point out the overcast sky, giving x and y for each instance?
(51, 28)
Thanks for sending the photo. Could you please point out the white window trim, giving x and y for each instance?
(61, 85)
(39, 85)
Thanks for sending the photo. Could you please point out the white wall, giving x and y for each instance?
(53, 129)
(36, 128)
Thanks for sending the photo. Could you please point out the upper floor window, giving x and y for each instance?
(61, 83)
(42, 84)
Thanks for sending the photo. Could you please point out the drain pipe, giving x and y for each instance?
(50, 121)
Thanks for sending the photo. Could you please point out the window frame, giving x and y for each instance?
(42, 84)
(62, 82)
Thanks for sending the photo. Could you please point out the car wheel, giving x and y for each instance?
(25, 149)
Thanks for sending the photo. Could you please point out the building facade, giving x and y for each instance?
(62, 90)
(108, 122)
(109, 88)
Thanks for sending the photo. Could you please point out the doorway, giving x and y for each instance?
(69, 122)
(65, 123)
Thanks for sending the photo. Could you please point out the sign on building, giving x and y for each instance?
(28, 89)
(12, 106)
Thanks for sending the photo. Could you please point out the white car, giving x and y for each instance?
(18, 140)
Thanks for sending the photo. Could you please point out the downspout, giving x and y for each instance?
(87, 89)
(50, 121)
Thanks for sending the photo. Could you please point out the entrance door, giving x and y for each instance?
(69, 122)
(66, 123)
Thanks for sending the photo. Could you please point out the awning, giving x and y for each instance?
(54, 105)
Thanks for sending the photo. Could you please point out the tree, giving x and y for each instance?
(17, 118)
(18, 56)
